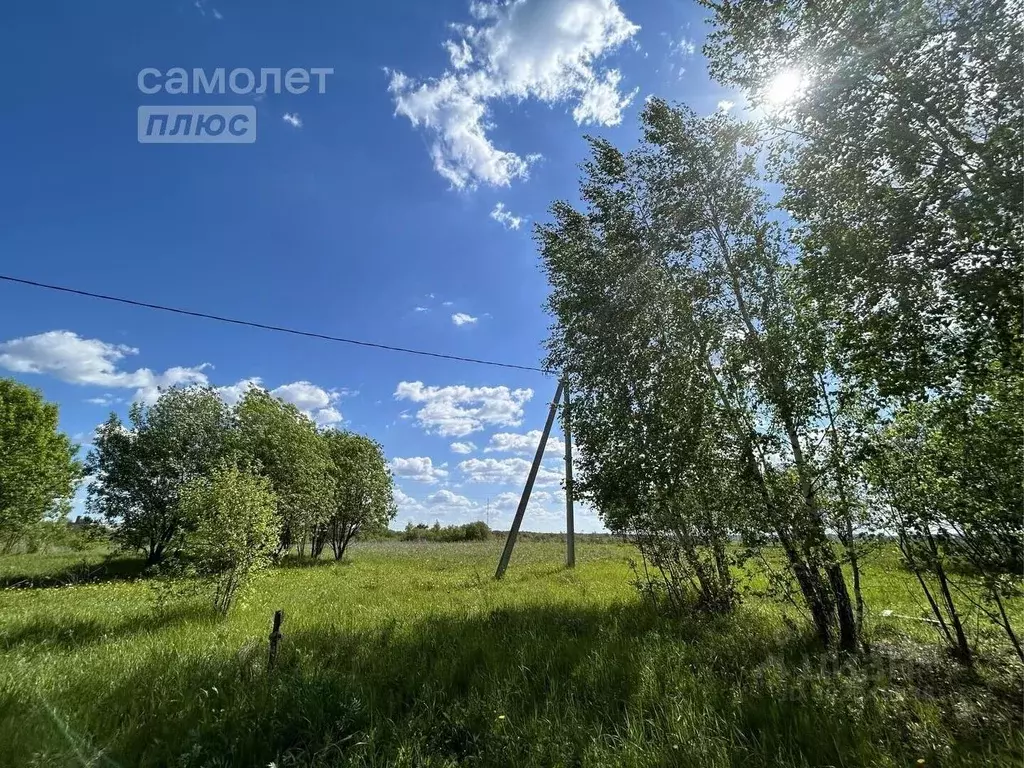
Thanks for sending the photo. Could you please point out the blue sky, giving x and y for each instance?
(388, 208)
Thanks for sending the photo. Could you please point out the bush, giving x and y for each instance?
(236, 529)
(478, 531)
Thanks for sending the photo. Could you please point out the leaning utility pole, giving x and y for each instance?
(524, 500)
(570, 532)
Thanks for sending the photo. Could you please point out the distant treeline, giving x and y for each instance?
(478, 531)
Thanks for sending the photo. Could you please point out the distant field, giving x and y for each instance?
(411, 655)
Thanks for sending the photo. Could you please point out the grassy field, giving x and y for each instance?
(411, 655)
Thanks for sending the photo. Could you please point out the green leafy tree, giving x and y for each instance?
(38, 470)
(947, 475)
(899, 152)
(694, 375)
(900, 156)
(363, 489)
(274, 439)
(141, 468)
(235, 528)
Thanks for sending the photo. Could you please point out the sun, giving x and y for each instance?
(785, 87)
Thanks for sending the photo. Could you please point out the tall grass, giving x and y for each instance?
(412, 655)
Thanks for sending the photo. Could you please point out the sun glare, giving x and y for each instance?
(785, 87)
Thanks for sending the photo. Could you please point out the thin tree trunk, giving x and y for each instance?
(348, 537)
(963, 649)
(1006, 624)
(848, 541)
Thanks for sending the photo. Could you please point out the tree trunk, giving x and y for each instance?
(1006, 623)
(156, 553)
(348, 537)
(810, 588)
(963, 649)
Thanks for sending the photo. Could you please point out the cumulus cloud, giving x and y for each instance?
(544, 505)
(548, 50)
(293, 119)
(461, 318)
(92, 362)
(505, 471)
(463, 447)
(725, 105)
(546, 511)
(510, 442)
(316, 402)
(232, 393)
(456, 411)
(446, 498)
(304, 395)
(72, 359)
(326, 417)
(418, 468)
(503, 216)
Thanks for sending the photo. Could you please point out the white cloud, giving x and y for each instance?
(602, 103)
(421, 309)
(544, 505)
(505, 471)
(460, 53)
(725, 105)
(232, 393)
(546, 511)
(509, 442)
(75, 360)
(316, 402)
(447, 303)
(541, 49)
(327, 416)
(685, 47)
(418, 468)
(293, 119)
(463, 448)
(446, 498)
(409, 508)
(504, 217)
(461, 318)
(91, 362)
(304, 395)
(457, 411)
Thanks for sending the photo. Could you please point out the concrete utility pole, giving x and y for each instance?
(570, 532)
(524, 500)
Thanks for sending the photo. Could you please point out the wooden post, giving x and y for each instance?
(275, 638)
(524, 500)
(570, 531)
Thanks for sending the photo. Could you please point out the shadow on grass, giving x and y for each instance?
(115, 568)
(525, 686)
(511, 686)
(294, 562)
(67, 633)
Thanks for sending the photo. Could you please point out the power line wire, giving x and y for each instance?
(266, 327)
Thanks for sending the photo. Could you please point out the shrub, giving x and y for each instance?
(478, 531)
(236, 529)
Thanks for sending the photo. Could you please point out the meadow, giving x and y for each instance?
(410, 654)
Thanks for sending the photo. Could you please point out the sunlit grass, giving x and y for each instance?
(411, 654)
